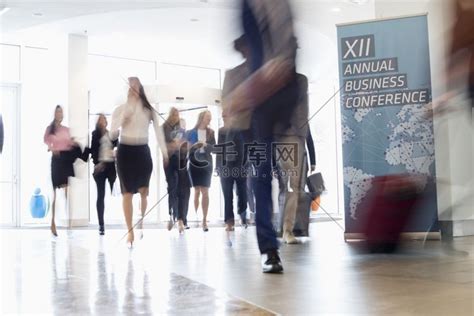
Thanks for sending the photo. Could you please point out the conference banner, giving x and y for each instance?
(384, 71)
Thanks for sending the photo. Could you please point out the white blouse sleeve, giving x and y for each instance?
(160, 136)
(117, 118)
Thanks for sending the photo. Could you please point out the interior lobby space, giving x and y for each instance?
(80, 274)
(377, 95)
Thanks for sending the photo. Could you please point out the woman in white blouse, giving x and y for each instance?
(134, 164)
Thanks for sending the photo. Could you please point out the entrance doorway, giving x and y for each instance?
(9, 158)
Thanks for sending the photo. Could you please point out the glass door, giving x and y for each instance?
(9, 157)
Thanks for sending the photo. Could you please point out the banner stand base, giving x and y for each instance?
(355, 237)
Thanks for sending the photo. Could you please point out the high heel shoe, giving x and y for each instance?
(204, 227)
(53, 230)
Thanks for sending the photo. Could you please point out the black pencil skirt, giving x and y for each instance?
(134, 167)
(61, 169)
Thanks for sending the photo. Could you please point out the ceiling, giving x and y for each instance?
(193, 32)
(27, 13)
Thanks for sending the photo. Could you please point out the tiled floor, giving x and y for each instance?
(202, 273)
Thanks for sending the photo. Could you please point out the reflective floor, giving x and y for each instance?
(214, 273)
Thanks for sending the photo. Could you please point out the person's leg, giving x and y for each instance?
(185, 203)
(143, 204)
(250, 194)
(53, 214)
(65, 187)
(296, 174)
(197, 192)
(100, 179)
(282, 177)
(171, 173)
(128, 212)
(111, 177)
(183, 196)
(205, 205)
(227, 184)
(241, 183)
(266, 235)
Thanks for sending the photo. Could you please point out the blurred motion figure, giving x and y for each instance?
(103, 157)
(131, 121)
(64, 152)
(271, 93)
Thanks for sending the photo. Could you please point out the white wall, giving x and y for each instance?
(79, 124)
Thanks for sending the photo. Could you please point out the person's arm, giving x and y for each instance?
(311, 151)
(117, 120)
(210, 142)
(160, 138)
(95, 144)
(279, 70)
(49, 139)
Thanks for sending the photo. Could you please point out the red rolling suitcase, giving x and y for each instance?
(387, 209)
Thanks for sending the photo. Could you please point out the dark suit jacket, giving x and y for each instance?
(95, 146)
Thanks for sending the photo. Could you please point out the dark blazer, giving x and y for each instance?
(95, 146)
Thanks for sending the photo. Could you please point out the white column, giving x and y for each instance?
(79, 123)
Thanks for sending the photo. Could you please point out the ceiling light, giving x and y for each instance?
(336, 9)
(359, 2)
(38, 15)
(4, 10)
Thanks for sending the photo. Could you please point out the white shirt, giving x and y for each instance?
(106, 149)
(131, 121)
(202, 133)
(202, 137)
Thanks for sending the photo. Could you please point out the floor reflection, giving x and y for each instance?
(80, 273)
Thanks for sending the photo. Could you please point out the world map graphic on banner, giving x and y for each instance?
(405, 142)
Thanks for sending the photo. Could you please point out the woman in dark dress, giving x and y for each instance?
(64, 152)
(134, 163)
(202, 140)
(102, 150)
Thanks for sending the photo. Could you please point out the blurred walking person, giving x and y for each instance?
(201, 141)
(240, 121)
(460, 63)
(64, 152)
(131, 121)
(271, 91)
(231, 170)
(103, 157)
(174, 138)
